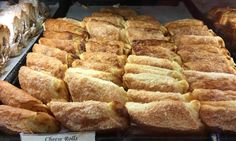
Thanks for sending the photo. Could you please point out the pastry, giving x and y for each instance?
(213, 95)
(192, 30)
(155, 43)
(155, 62)
(70, 46)
(61, 25)
(104, 45)
(64, 35)
(197, 40)
(143, 96)
(103, 57)
(123, 11)
(13, 96)
(135, 68)
(83, 87)
(182, 23)
(63, 56)
(42, 85)
(42, 62)
(156, 51)
(99, 66)
(219, 115)
(133, 34)
(94, 73)
(16, 120)
(166, 115)
(103, 29)
(142, 18)
(210, 80)
(113, 19)
(90, 115)
(154, 82)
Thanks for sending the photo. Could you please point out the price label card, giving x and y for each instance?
(71, 136)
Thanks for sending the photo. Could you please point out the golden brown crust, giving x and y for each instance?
(154, 82)
(42, 85)
(165, 44)
(133, 34)
(143, 96)
(142, 18)
(99, 66)
(156, 51)
(155, 62)
(196, 40)
(210, 80)
(63, 26)
(142, 24)
(74, 47)
(182, 23)
(42, 62)
(84, 87)
(113, 19)
(204, 47)
(213, 95)
(103, 29)
(219, 114)
(173, 115)
(63, 56)
(13, 96)
(136, 69)
(210, 65)
(123, 11)
(104, 57)
(17, 120)
(104, 45)
(192, 30)
(90, 115)
(64, 35)
(95, 73)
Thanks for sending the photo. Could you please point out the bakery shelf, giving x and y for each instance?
(164, 13)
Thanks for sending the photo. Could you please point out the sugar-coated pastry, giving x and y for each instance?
(16, 120)
(166, 115)
(42, 85)
(90, 115)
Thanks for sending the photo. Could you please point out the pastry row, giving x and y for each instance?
(162, 111)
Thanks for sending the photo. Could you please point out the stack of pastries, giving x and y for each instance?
(117, 67)
(224, 20)
(209, 70)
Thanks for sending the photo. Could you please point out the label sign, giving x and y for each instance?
(71, 136)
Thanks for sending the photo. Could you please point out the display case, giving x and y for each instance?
(165, 12)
